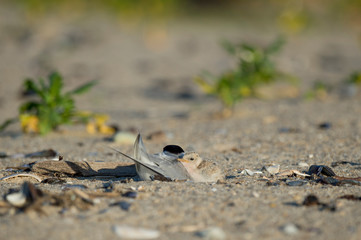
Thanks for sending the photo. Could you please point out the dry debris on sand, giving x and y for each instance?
(286, 172)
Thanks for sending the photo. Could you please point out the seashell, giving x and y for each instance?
(321, 169)
(124, 231)
(273, 169)
(250, 172)
(17, 199)
(27, 195)
(290, 229)
(292, 172)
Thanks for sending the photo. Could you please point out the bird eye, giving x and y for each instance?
(191, 159)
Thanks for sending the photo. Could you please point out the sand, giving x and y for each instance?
(148, 86)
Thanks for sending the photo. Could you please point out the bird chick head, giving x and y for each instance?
(191, 158)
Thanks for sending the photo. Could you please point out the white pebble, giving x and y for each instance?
(290, 229)
(124, 231)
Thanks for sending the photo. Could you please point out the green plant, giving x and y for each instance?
(52, 108)
(320, 90)
(254, 68)
(354, 78)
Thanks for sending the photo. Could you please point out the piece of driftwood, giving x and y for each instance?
(85, 169)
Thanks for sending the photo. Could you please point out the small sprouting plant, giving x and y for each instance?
(354, 78)
(254, 67)
(320, 90)
(52, 107)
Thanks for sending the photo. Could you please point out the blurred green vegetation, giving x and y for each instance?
(255, 67)
(290, 15)
(354, 78)
(52, 106)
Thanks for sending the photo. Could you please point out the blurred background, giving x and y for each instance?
(146, 53)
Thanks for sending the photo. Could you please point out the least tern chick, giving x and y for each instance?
(199, 169)
(164, 165)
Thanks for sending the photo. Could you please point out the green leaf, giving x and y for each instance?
(29, 85)
(83, 88)
(54, 108)
(29, 107)
(55, 84)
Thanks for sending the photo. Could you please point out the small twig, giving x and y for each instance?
(22, 175)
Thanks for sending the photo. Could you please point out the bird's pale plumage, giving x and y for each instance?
(150, 166)
(199, 169)
(172, 164)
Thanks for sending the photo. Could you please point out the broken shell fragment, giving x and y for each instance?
(17, 199)
(292, 172)
(124, 231)
(273, 169)
(27, 195)
(250, 172)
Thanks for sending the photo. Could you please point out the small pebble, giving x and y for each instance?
(124, 231)
(325, 125)
(122, 204)
(212, 233)
(124, 137)
(290, 229)
(310, 200)
(296, 183)
(130, 194)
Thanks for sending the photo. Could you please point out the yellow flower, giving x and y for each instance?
(91, 128)
(97, 125)
(100, 119)
(29, 123)
(104, 129)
